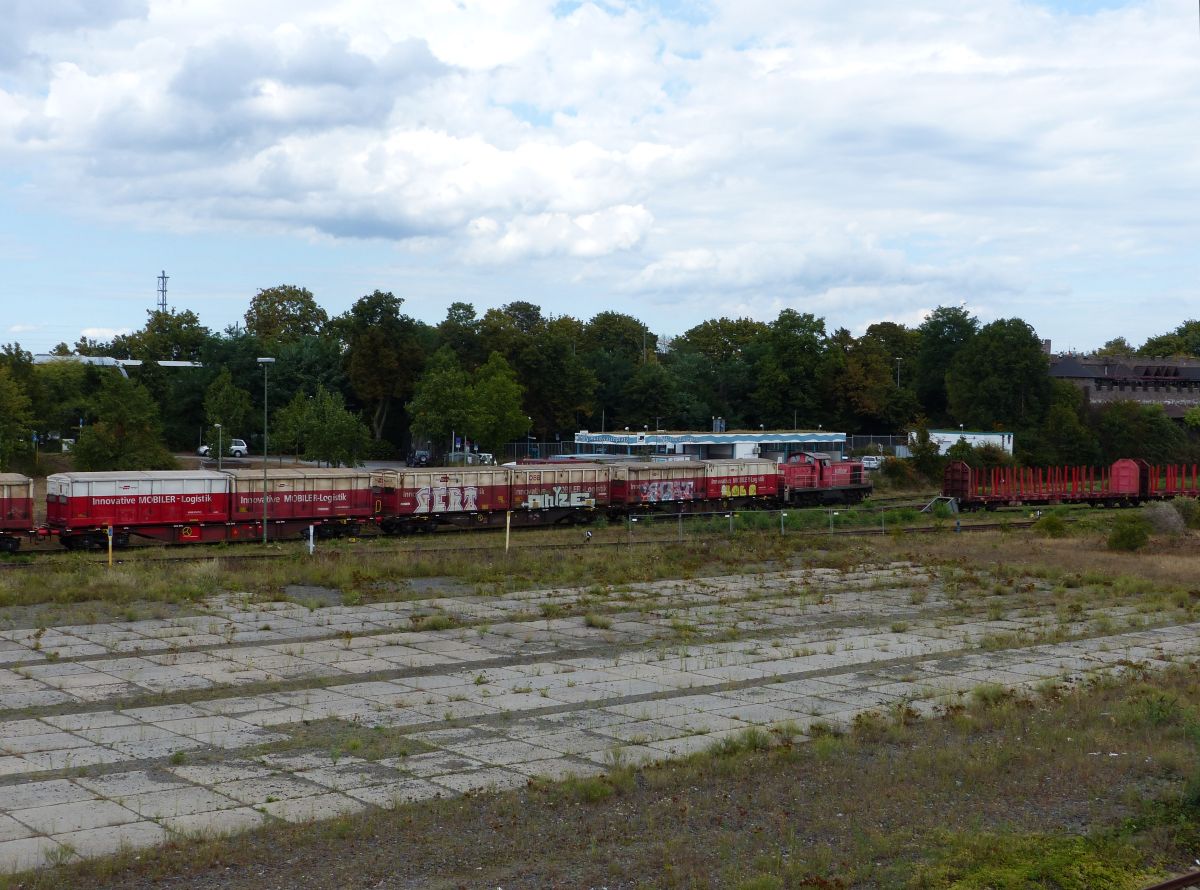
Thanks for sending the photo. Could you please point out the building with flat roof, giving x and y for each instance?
(692, 445)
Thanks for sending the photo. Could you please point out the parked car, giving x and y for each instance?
(872, 461)
(237, 448)
(419, 458)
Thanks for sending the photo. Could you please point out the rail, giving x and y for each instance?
(1191, 879)
(54, 557)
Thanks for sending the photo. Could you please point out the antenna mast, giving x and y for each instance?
(162, 292)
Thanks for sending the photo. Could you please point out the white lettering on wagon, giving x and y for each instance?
(131, 500)
(314, 497)
(447, 499)
(560, 497)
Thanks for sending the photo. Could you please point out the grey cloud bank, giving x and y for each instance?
(865, 162)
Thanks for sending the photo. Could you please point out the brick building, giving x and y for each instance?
(1173, 383)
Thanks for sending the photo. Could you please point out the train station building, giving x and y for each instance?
(690, 445)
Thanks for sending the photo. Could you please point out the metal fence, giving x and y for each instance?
(875, 444)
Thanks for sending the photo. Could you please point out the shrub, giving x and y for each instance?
(1131, 532)
(1164, 519)
(1188, 510)
(1051, 525)
(899, 472)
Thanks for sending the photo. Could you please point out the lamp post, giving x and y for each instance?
(898, 361)
(266, 363)
(218, 426)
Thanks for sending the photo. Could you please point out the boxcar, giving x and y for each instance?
(16, 509)
(738, 479)
(646, 484)
(419, 499)
(163, 505)
(334, 499)
(553, 492)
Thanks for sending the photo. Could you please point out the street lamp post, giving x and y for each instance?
(898, 361)
(266, 363)
(218, 426)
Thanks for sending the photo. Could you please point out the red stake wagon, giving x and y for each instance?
(16, 510)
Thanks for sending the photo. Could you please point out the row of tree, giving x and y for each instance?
(374, 381)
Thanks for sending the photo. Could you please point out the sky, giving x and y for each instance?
(674, 160)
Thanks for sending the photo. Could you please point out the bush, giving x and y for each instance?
(1164, 519)
(1130, 533)
(1051, 525)
(1188, 510)
(899, 473)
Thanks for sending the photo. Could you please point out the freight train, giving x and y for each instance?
(206, 506)
(1127, 482)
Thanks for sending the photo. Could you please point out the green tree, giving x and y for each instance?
(943, 333)
(331, 432)
(283, 314)
(460, 331)
(16, 418)
(1116, 347)
(385, 351)
(1000, 378)
(614, 346)
(126, 434)
(1191, 419)
(651, 397)
(1131, 429)
(719, 357)
(496, 413)
(441, 401)
(226, 404)
(321, 428)
(789, 371)
(1184, 340)
(166, 336)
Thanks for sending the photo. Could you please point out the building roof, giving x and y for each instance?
(659, 437)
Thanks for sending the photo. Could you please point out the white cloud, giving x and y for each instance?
(589, 235)
(873, 157)
(103, 333)
(23, 328)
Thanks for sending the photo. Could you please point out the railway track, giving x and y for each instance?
(366, 548)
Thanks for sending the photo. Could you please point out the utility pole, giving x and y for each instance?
(162, 291)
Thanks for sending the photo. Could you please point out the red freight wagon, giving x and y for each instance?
(416, 497)
(16, 509)
(747, 478)
(1127, 481)
(164, 505)
(555, 487)
(301, 497)
(657, 482)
